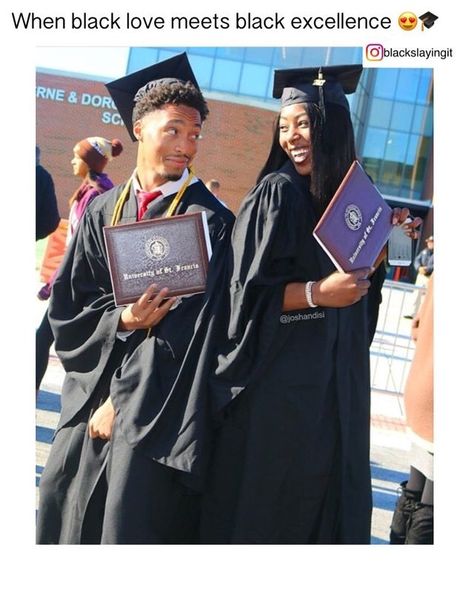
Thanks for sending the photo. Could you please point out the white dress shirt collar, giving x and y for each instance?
(168, 188)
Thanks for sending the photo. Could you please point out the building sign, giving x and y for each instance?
(109, 113)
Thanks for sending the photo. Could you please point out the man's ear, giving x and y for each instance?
(137, 129)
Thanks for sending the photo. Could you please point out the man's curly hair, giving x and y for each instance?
(175, 93)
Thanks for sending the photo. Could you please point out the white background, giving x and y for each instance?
(235, 568)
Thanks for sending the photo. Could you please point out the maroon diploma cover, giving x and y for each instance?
(356, 224)
(170, 252)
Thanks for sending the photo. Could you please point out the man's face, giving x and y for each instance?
(168, 141)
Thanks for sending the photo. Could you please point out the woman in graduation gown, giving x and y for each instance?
(292, 386)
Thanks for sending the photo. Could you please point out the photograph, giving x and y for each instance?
(275, 408)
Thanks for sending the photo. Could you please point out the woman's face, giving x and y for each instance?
(295, 137)
(79, 167)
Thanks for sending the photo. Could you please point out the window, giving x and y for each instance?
(206, 51)
(165, 54)
(424, 87)
(315, 56)
(288, 57)
(226, 75)
(385, 83)
(141, 58)
(202, 68)
(231, 53)
(254, 80)
(380, 112)
(346, 55)
(407, 86)
(397, 144)
(423, 120)
(259, 55)
(375, 140)
(402, 116)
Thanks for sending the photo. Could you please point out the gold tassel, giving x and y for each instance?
(117, 214)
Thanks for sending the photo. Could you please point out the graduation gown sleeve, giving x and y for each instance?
(83, 316)
(264, 259)
(159, 392)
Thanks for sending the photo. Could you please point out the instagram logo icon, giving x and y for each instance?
(374, 52)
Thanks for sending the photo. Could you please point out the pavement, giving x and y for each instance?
(389, 441)
(388, 459)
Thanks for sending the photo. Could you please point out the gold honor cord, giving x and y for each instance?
(117, 214)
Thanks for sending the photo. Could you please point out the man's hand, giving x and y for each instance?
(399, 217)
(341, 289)
(147, 311)
(102, 422)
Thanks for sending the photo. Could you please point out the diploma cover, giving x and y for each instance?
(356, 224)
(170, 252)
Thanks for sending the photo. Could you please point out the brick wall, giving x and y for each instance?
(236, 138)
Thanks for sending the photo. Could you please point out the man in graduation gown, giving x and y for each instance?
(121, 449)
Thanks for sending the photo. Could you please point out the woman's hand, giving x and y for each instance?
(341, 289)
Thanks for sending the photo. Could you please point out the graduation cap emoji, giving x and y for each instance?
(428, 19)
(320, 85)
(127, 91)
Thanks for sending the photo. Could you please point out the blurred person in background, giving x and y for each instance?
(412, 522)
(424, 266)
(90, 157)
(47, 215)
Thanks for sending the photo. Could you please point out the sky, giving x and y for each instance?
(106, 62)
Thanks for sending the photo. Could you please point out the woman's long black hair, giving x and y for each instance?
(333, 151)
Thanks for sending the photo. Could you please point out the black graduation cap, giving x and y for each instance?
(428, 19)
(126, 91)
(318, 84)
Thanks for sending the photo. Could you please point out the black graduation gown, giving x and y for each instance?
(84, 320)
(291, 457)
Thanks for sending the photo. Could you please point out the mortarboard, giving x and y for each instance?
(428, 19)
(319, 84)
(126, 91)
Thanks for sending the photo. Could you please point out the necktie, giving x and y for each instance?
(144, 199)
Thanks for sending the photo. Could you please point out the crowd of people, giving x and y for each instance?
(209, 418)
